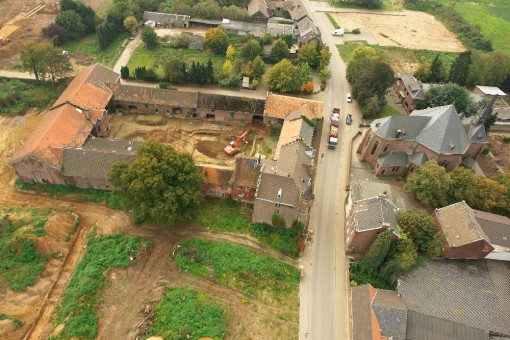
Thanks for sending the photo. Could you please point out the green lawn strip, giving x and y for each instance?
(493, 18)
(90, 46)
(253, 274)
(74, 193)
(16, 321)
(332, 20)
(393, 55)
(153, 58)
(20, 264)
(77, 309)
(388, 111)
(184, 312)
(231, 216)
(18, 95)
(388, 5)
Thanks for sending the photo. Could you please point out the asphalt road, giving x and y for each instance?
(324, 307)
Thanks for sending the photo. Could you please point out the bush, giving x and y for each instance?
(147, 74)
(356, 31)
(179, 41)
(486, 150)
(164, 85)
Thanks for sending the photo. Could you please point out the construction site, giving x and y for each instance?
(208, 142)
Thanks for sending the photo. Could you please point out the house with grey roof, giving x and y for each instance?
(284, 187)
(464, 237)
(377, 314)
(167, 19)
(306, 32)
(398, 145)
(472, 293)
(141, 99)
(373, 209)
(88, 166)
(367, 219)
(409, 90)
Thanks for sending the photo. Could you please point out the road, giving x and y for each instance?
(324, 305)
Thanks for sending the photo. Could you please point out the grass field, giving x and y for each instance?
(185, 311)
(230, 216)
(388, 111)
(153, 58)
(253, 274)
(397, 56)
(16, 96)
(77, 311)
(20, 264)
(388, 5)
(493, 16)
(89, 46)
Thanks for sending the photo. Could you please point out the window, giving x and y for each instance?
(374, 148)
(386, 147)
(395, 168)
(382, 172)
(248, 188)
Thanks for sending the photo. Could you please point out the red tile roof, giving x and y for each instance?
(278, 106)
(69, 122)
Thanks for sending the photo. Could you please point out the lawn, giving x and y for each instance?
(152, 58)
(253, 274)
(231, 216)
(20, 264)
(16, 96)
(89, 46)
(185, 311)
(388, 5)
(493, 16)
(388, 111)
(396, 56)
(77, 310)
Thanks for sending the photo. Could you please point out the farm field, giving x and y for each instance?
(493, 17)
(407, 29)
(401, 59)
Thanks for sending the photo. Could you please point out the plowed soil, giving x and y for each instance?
(127, 291)
(408, 29)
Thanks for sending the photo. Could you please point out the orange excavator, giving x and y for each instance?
(233, 147)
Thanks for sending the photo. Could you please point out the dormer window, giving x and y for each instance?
(279, 194)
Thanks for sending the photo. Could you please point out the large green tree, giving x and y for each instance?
(72, 23)
(461, 186)
(401, 258)
(376, 253)
(44, 60)
(251, 49)
(161, 184)
(279, 51)
(437, 71)
(86, 13)
(217, 40)
(149, 37)
(420, 227)
(309, 54)
(459, 70)
(489, 194)
(446, 94)
(285, 77)
(430, 184)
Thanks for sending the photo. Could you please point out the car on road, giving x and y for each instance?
(348, 119)
(348, 97)
(339, 31)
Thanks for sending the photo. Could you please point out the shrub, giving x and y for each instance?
(179, 41)
(356, 31)
(486, 150)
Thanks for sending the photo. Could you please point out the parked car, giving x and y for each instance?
(339, 32)
(348, 119)
(348, 97)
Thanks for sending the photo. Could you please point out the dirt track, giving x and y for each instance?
(128, 290)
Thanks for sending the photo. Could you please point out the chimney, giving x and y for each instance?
(398, 134)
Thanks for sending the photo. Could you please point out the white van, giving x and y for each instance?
(339, 31)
